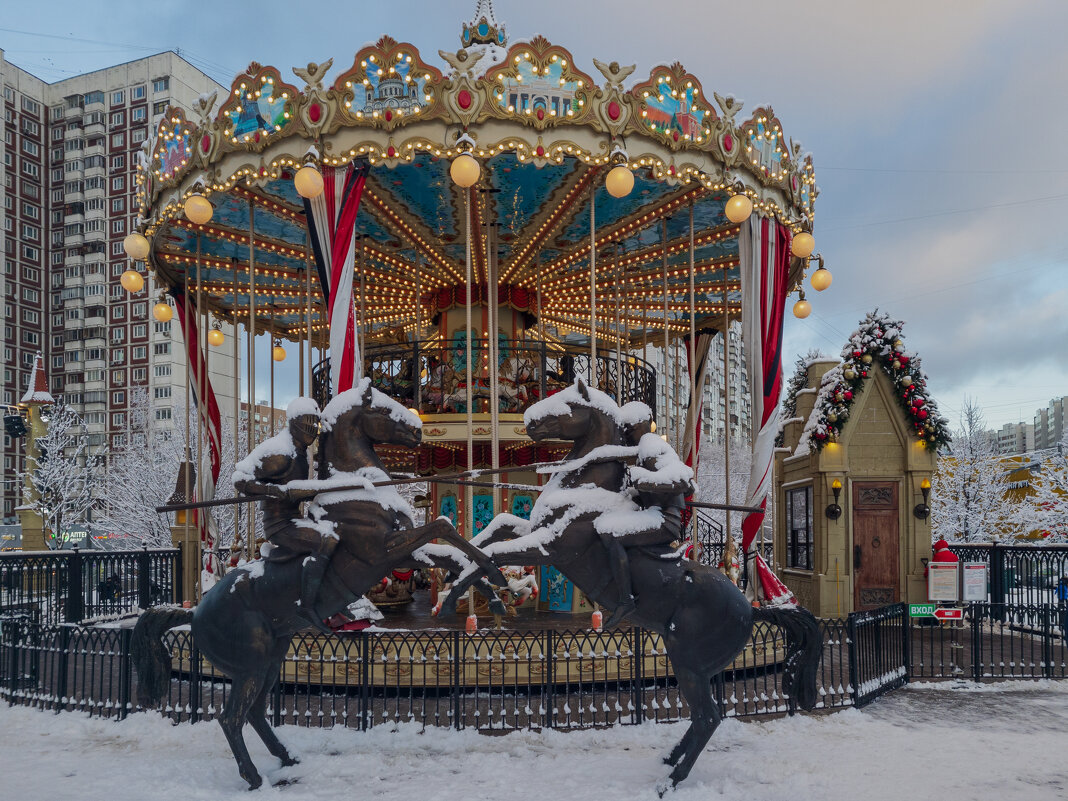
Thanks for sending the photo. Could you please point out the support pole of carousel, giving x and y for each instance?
(188, 449)
(469, 518)
(593, 287)
(667, 379)
(495, 403)
(270, 338)
(362, 338)
(307, 282)
(417, 376)
(250, 543)
(202, 382)
(619, 331)
(237, 403)
(694, 396)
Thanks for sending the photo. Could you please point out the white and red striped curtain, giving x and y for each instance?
(764, 250)
(331, 221)
(208, 408)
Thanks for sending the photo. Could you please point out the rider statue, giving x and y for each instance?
(265, 472)
(659, 479)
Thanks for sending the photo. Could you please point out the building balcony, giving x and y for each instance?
(94, 150)
(73, 240)
(94, 129)
(95, 172)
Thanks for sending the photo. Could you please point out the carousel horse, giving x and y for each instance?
(244, 624)
(704, 619)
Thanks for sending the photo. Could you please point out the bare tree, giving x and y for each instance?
(968, 494)
(60, 478)
(1051, 493)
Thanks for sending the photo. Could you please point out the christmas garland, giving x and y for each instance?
(876, 343)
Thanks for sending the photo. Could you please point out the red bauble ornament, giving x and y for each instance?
(864, 374)
(903, 359)
(847, 395)
(857, 354)
(922, 414)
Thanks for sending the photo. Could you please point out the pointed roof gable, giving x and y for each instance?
(38, 393)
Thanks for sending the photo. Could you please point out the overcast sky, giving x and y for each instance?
(936, 127)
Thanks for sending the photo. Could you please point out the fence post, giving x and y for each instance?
(144, 599)
(851, 635)
(125, 659)
(997, 574)
(977, 642)
(365, 681)
(62, 666)
(75, 610)
(550, 680)
(906, 642)
(13, 664)
(1047, 639)
(179, 576)
(637, 684)
(457, 669)
(194, 682)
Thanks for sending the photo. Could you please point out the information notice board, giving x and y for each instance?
(942, 581)
(974, 582)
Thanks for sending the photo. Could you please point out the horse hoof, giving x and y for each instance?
(663, 787)
(289, 761)
(254, 781)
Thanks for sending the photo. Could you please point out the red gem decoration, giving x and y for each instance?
(614, 111)
(728, 142)
(391, 151)
(205, 143)
(388, 115)
(315, 112)
(257, 136)
(540, 150)
(793, 182)
(675, 135)
(464, 99)
(540, 114)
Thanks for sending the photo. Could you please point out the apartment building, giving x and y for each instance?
(69, 154)
(1049, 424)
(1016, 438)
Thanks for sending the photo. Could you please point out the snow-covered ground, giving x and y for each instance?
(999, 742)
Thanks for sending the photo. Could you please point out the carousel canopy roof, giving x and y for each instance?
(545, 134)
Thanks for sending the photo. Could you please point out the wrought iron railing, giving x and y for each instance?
(71, 586)
(1019, 574)
(433, 376)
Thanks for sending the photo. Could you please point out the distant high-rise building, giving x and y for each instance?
(69, 155)
(1016, 438)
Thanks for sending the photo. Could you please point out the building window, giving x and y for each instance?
(118, 183)
(118, 97)
(138, 136)
(138, 114)
(799, 528)
(159, 107)
(161, 393)
(140, 352)
(31, 106)
(137, 93)
(161, 84)
(161, 348)
(31, 147)
(118, 140)
(140, 374)
(118, 162)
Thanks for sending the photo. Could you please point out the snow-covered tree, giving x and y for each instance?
(968, 494)
(61, 477)
(797, 382)
(1051, 494)
(712, 484)
(142, 474)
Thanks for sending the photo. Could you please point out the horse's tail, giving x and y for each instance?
(804, 644)
(151, 659)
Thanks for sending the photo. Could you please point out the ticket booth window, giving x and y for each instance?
(799, 528)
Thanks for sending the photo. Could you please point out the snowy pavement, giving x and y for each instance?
(929, 741)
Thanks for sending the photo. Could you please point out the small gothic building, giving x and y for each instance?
(858, 448)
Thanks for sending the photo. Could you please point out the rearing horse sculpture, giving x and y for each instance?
(704, 620)
(244, 624)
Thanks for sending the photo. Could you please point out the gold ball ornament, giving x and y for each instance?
(802, 309)
(821, 279)
(832, 417)
(738, 208)
(897, 364)
(866, 358)
(802, 245)
(308, 182)
(215, 337)
(278, 353)
(132, 281)
(620, 181)
(850, 374)
(465, 170)
(906, 380)
(136, 246)
(198, 209)
(162, 311)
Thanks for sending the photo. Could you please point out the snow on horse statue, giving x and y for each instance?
(704, 619)
(244, 624)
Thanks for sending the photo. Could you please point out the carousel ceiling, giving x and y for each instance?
(545, 136)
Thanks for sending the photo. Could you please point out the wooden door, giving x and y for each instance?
(875, 544)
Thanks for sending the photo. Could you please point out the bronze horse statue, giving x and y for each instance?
(704, 619)
(244, 624)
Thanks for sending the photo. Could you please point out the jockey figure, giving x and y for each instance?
(265, 472)
(659, 480)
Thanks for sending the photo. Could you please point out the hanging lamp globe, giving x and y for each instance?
(162, 311)
(821, 279)
(278, 353)
(802, 308)
(465, 170)
(198, 209)
(215, 337)
(620, 181)
(136, 246)
(308, 182)
(738, 208)
(802, 245)
(132, 281)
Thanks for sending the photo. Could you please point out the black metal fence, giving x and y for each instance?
(433, 376)
(51, 587)
(510, 680)
(1019, 574)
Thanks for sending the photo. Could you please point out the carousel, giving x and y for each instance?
(474, 231)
